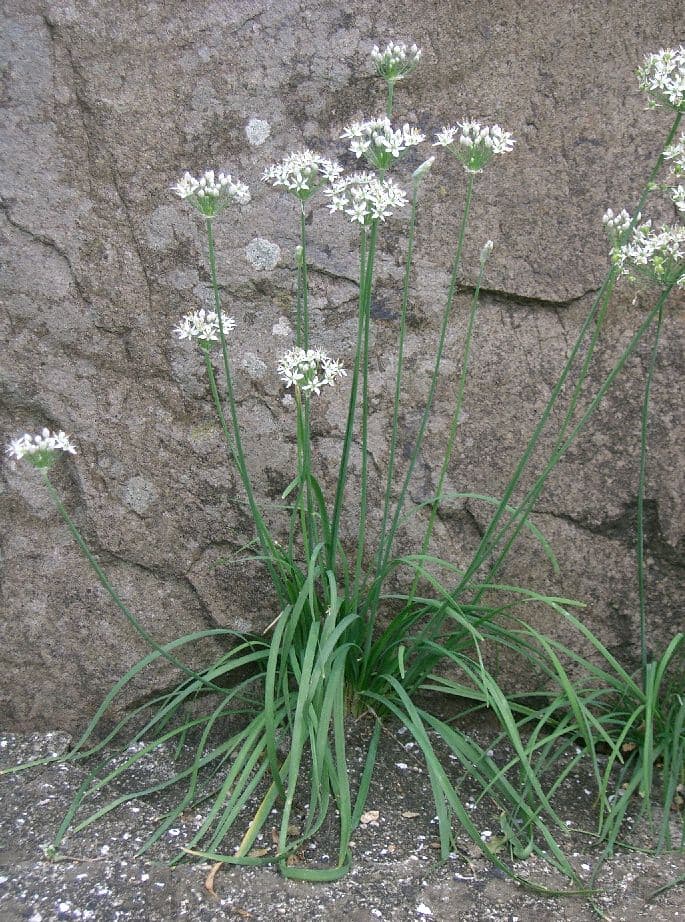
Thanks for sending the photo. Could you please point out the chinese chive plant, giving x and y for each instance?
(267, 719)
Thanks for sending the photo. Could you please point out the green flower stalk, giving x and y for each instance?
(42, 451)
(210, 196)
(477, 146)
(456, 414)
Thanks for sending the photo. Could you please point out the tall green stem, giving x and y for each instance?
(216, 400)
(367, 250)
(644, 437)
(123, 608)
(398, 374)
(594, 318)
(454, 425)
(389, 97)
(303, 282)
(387, 539)
(433, 629)
(363, 482)
(517, 519)
(562, 446)
(262, 531)
(304, 497)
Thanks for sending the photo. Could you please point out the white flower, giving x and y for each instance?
(396, 61)
(40, 449)
(364, 197)
(662, 76)
(379, 142)
(309, 370)
(302, 173)
(204, 326)
(211, 192)
(654, 254)
(678, 197)
(676, 153)
(476, 144)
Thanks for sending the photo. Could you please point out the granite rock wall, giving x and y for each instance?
(105, 105)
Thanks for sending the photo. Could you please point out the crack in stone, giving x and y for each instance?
(623, 528)
(83, 109)
(529, 301)
(48, 242)
(159, 571)
(133, 235)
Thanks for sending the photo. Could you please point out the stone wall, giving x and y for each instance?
(105, 104)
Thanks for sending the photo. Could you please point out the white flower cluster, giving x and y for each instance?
(396, 61)
(476, 144)
(654, 254)
(379, 142)
(211, 192)
(309, 370)
(662, 76)
(616, 224)
(302, 173)
(364, 197)
(40, 449)
(204, 326)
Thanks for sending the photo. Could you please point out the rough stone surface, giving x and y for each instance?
(104, 105)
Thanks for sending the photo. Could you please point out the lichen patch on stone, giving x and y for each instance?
(262, 254)
(257, 131)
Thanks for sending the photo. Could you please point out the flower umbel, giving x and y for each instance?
(379, 142)
(40, 450)
(364, 197)
(396, 61)
(662, 77)
(302, 173)
(617, 224)
(476, 144)
(203, 326)
(309, 370)
(211, 193)
(656, 255)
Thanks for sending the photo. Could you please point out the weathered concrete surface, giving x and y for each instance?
(394, 878)
(104, 105)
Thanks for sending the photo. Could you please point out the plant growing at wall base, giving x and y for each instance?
(360, 630)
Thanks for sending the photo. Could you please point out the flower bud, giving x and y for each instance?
(485, 252)
(422, 171)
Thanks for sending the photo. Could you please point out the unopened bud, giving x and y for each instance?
(485, 252)
(421, 171)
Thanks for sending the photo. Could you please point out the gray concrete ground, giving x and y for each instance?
(394, 877)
